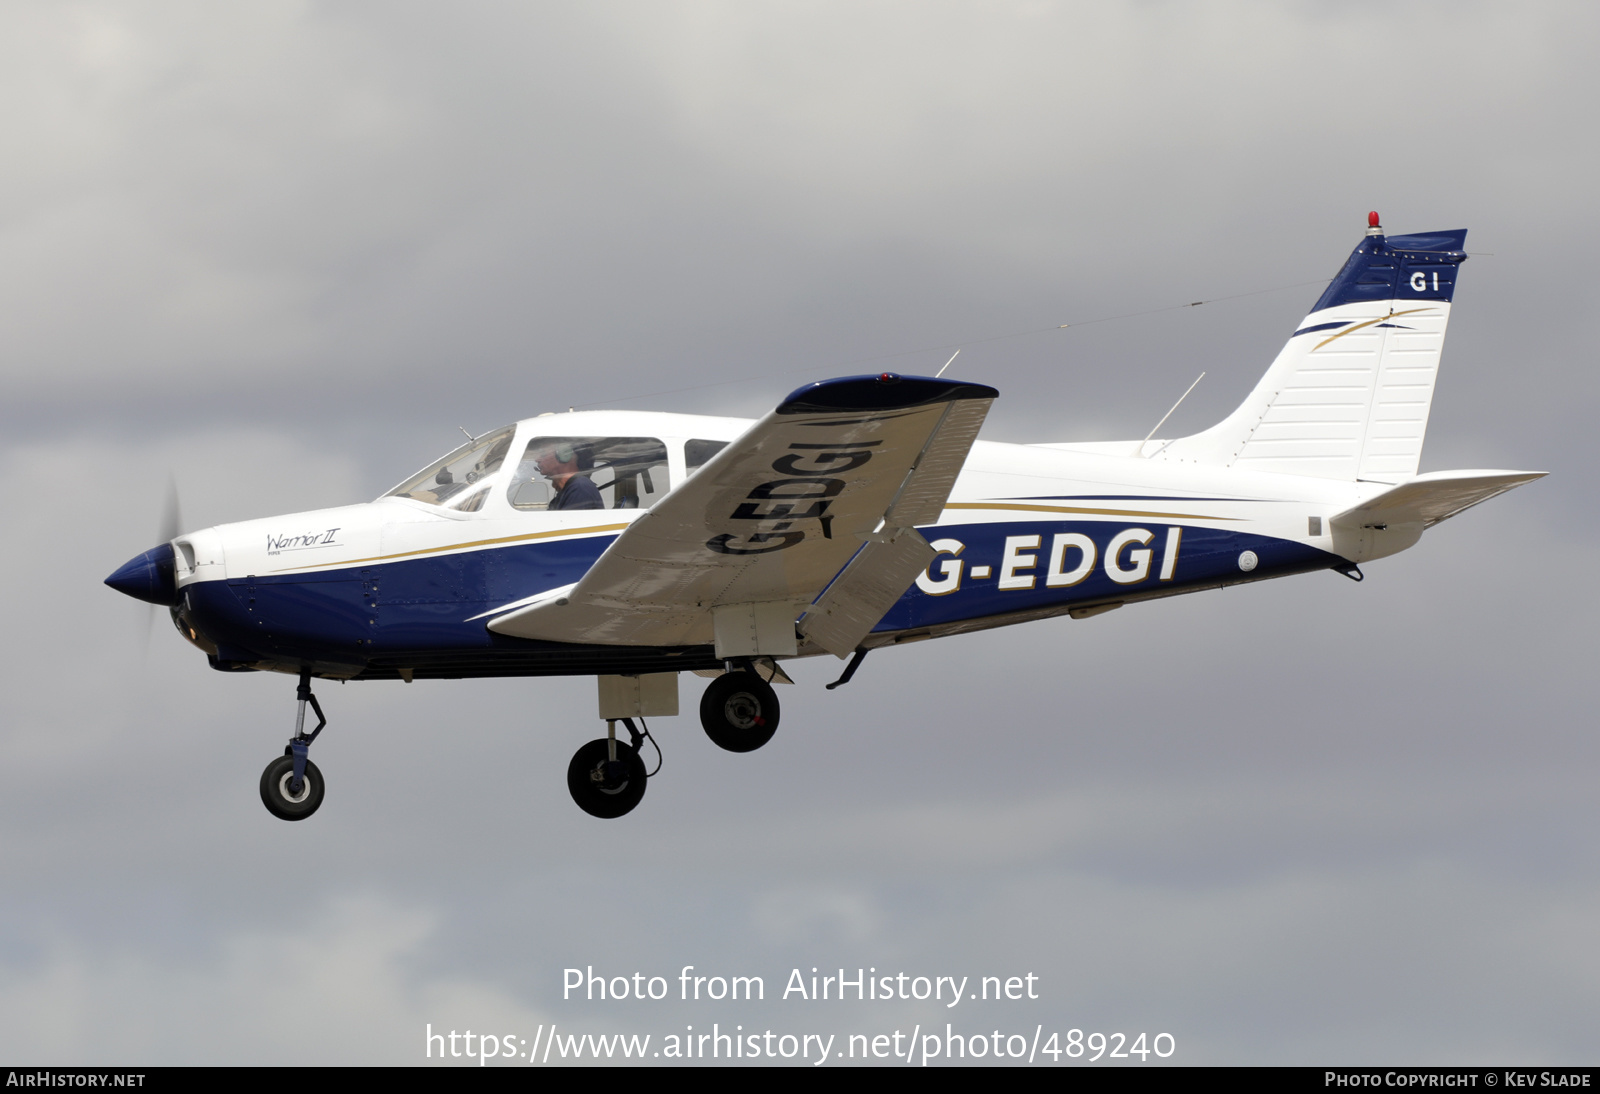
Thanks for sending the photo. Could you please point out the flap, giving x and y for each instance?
(775, 515)
(865, 591)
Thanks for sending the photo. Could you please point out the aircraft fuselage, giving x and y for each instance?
(399, 587)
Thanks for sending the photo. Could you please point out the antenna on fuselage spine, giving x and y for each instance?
(946, 365)
(1139, 449)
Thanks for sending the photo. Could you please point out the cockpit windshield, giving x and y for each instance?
(450, 480)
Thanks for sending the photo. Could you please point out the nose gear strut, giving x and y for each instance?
(291, 786)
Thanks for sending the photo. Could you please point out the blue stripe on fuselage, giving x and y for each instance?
(387, 607)
(426, 604)
(1205, 557)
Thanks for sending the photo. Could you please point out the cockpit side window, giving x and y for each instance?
(568, 473)
(450, 478)
(472, 503)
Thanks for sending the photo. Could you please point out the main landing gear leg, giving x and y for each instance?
(607, 777)
(291, 786)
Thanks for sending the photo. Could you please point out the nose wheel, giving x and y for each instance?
(739, 711)
(278, 792)
(292, 786)
(607, 777)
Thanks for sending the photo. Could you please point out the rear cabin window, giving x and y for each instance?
(571, 473)
(698, 453)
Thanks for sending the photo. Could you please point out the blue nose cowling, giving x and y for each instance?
(150, 577)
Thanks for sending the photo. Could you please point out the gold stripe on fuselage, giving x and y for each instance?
(598, 529)
(459, 547)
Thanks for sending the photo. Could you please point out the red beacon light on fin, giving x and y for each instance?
(1374, 228)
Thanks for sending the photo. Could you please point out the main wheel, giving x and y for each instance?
(739, 711)
(280, 800)
(603, 788)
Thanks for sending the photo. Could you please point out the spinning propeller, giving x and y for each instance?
(152, 576)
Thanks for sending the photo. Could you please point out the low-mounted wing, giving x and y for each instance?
(737, 552)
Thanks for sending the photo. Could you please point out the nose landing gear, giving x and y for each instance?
(606, 777)
(292, 786)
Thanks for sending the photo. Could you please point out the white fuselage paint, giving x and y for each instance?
(1008, 484)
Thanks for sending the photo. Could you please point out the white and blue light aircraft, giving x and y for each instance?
(860, 513)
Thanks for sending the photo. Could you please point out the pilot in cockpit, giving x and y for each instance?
(561, 463)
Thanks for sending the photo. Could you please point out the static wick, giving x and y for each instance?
(953, 356)
(463, 429)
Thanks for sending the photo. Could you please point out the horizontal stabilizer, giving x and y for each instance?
(1436, 496)
(1396, 518)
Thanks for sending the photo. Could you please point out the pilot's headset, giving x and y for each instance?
(563, 452)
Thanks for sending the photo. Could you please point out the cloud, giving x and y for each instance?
(336, 987)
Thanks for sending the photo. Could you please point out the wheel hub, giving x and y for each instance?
(610, 776)
(289, 795)
(743, 711)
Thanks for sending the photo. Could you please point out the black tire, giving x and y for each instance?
(739, 711)
(606, 793)
(275, 790)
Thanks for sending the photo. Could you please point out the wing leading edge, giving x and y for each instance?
(818, 499)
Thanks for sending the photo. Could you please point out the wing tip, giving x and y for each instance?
(885, 391)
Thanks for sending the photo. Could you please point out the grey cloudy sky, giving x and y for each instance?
(283, 250)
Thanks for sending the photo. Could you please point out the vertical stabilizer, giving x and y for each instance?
(1348, 396)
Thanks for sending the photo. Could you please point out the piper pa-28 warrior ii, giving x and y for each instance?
(860, 513)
